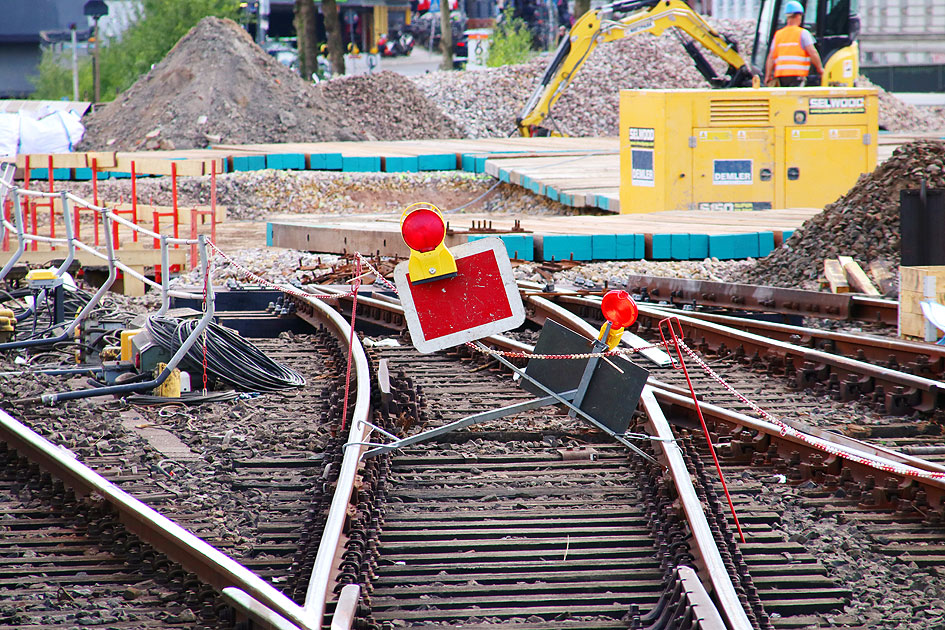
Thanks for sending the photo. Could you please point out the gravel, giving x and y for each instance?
(217, 86)
(864, 223)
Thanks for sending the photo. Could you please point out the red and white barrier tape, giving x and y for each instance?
(818, 443)
(508, 354)
(273, 285)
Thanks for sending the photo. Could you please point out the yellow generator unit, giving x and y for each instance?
(747, 149)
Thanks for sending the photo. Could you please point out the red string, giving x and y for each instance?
(669, 323)
(354, 311)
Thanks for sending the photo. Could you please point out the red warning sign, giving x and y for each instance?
(481, 299)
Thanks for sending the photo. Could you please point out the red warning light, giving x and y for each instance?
(423, 229)
(619, 308)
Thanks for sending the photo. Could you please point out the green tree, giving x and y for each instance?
(511, 41)
(159, 24)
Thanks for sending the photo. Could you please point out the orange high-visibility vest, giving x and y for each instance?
(790, 58)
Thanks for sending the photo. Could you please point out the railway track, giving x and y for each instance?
(827, 485)
(331, 530)
(239, 486)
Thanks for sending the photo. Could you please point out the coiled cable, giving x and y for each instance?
(230, 358)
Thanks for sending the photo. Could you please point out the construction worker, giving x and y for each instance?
(792, 51)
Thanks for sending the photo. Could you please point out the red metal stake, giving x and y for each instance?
(134, 201)
(52, 203)
(669, 324)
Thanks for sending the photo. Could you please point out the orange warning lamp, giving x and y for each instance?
(424, 229)
(620, 311)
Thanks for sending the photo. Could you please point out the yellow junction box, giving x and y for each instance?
(743, 149)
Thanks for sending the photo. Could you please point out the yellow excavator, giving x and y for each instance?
(832, 23)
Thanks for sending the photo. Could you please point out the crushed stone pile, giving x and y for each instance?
(389, 106)
(486, 102)
(895, 115)
(864, 223)
(217, 86)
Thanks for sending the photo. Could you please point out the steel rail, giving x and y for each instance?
(750, 297)
(918, 356)
(902, 392)
(211, 565)
(762, 435)
(704, 546)
(317, 313)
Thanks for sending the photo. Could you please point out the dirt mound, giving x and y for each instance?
(217, 86)
(388, 106)
(864, 223)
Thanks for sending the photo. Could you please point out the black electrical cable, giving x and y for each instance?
(230, 358)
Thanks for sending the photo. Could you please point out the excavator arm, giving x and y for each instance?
(624, 19)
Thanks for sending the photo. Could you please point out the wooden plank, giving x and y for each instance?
(883, 276)
(837, 280)
(856, 277)
(135, 258)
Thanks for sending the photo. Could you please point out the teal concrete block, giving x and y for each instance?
(249, 163)
(79, 174)
(120, 175)
(765, 243)
(698, 246)
(468, 163)
(481, 163)
(551, 192)
(679, 246)
(503, 176)
(630, 246)
(746, 245)
(567, 246)
(520, 246)
(325, 162)
(786, 234)
(604, 246)
(58, 173)
(358, 164)
(437, 162)
(566, 199)
(662, 247)
(401, 165)
(269, 235)
(722, 246)
(294, 161)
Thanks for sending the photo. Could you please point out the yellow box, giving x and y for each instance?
(126, 336)
(743, 149)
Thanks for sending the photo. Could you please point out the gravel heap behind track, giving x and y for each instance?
(216, 85)
(864, 223)
(486, 102)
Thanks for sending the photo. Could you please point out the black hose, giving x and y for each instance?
(230, 358)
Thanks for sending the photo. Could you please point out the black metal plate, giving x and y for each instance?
(611, 396)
